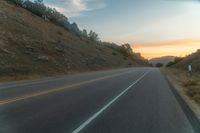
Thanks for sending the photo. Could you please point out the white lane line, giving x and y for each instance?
(88, 121)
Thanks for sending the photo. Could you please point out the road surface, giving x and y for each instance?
(133, 100)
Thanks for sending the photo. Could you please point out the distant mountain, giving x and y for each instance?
(164, 60)
(192, 59)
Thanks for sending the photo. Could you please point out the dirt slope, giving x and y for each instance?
(31, 46)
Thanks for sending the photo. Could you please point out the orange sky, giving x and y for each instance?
(175, 48)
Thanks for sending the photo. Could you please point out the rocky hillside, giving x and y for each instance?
(31, 46)
(193, 59)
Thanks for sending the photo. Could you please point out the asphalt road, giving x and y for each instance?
(134, 100)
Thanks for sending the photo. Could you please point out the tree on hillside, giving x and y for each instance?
(176, 60)
(93, 36)
(74, 28)
(128, 48)
(38, 1)
(51, 14)
(84, 32)
(39, 8)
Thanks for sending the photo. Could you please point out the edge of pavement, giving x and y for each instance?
(188, 106)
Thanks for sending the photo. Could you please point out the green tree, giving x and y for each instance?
(51, 14)
(85, 33)
(128, 48)
(176, 60)
(93, 36)
(38, 1)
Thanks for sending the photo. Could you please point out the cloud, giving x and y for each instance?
(72, 8)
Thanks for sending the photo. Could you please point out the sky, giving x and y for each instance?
(148, 25)
(178, 48)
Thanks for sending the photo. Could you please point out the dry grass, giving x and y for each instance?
(192, 59)
(190, 83)
(31, 46)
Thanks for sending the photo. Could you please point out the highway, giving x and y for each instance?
(131, 100)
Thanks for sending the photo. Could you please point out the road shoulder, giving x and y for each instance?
(181, 90)
(189, 106)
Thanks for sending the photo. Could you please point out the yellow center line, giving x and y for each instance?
(28, 96)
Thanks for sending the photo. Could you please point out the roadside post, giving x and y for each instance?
(190, 69)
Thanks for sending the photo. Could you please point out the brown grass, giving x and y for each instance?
(190, 83)
(30, 46)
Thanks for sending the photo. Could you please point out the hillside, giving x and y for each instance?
(33, 47)
(189, 83)
(164, 60)
(192, 59)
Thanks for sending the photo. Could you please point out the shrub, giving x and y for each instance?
(114, 53)
(159, 65)
(176, 60)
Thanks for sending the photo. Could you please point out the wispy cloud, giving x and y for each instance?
(72, 8)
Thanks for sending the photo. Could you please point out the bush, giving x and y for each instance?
(114, 53)
(60, 33)
(93, 36)
(176, 60)
(159, 65)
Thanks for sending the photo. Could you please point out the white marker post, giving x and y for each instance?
(190, 69)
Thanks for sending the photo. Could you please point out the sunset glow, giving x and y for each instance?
(165, 48)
